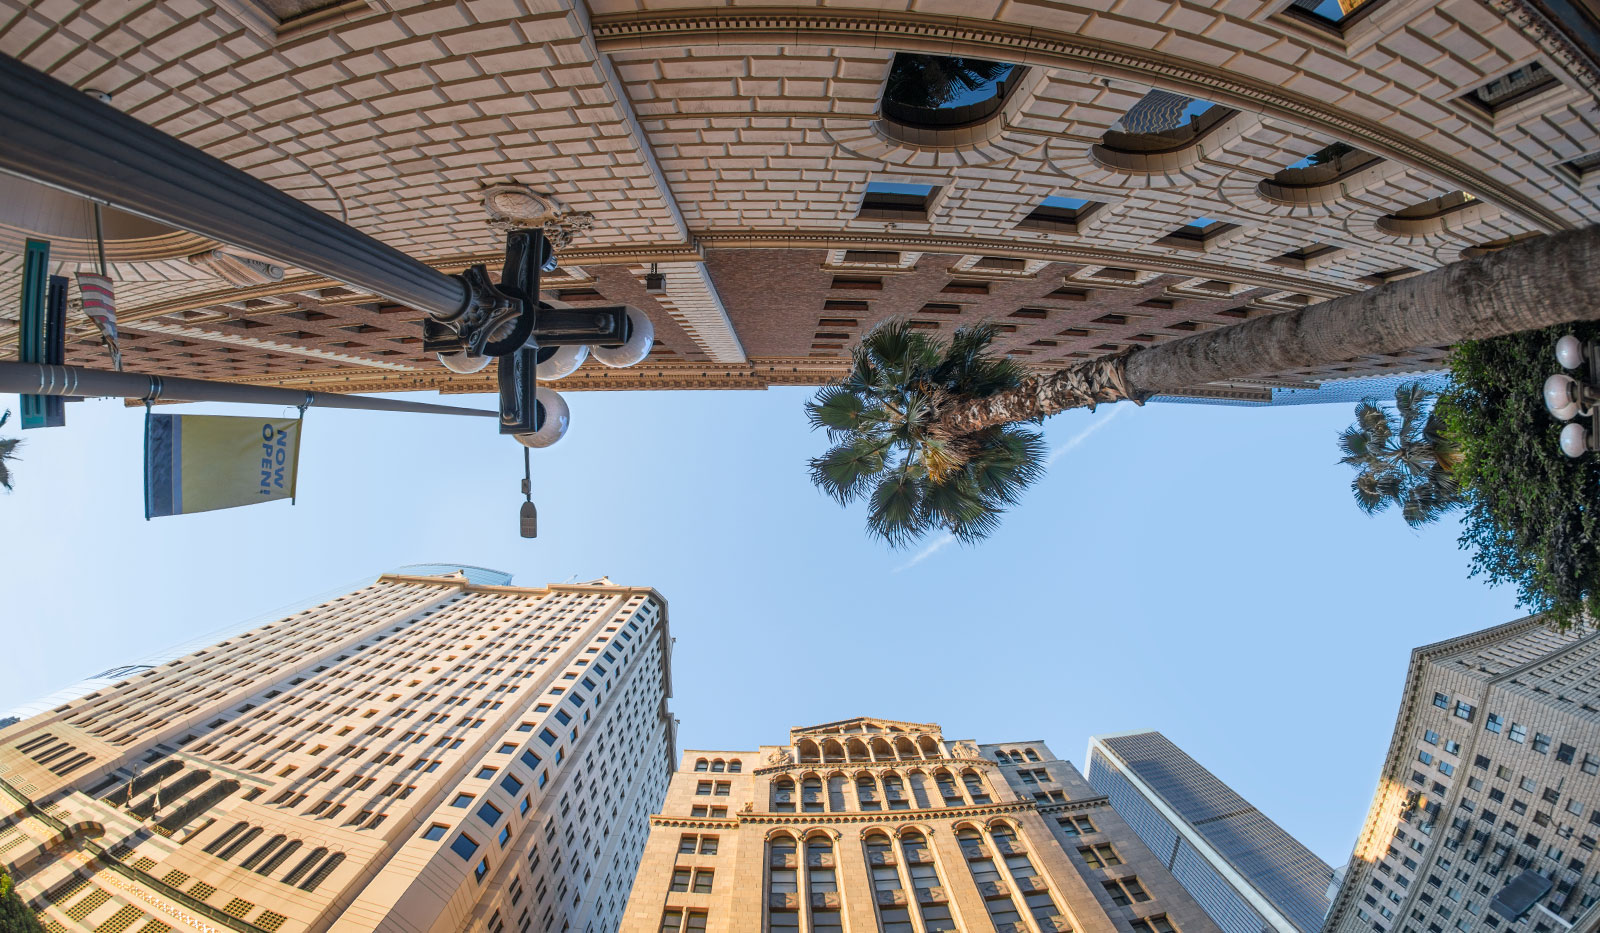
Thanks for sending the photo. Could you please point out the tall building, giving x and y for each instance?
(872, 824)
(745, 151)
(1247, 872)
(437, 751)
(1487, 812)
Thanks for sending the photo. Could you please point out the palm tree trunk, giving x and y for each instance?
(1539, 283)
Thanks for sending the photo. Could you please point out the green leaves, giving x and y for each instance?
(1398, 461)
(8, 452)
(890, 450)
(1530, 517)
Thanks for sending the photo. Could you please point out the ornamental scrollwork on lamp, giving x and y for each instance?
(517, 207)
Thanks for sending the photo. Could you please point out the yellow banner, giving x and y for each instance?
(196, 463)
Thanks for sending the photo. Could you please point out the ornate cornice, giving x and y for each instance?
(884, 765)
(824, 819)
(1045, 249)
(1533, 20)
(1036, 46)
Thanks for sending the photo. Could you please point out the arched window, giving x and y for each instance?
(919, 789)
(832, 750)
(836, 802)
(930, 896)
(719, 766)
(1016, 756)
(233, 847)
(266, 849)
(305, 865)
(222, 840)
(1005, 839)
(783, 795)
(278, 858)
(735, 766)
(894, 792)
(930, 748)
(783, 885)
(322, 872)
(991, 883)
(808, 751)
(811, 794)
(700, 764)
(881, 750)
(948, 789)
(1001, 756)
(857, 750)
(886, 885)
(904, 749)
(822, 886)
(1032, 755)
(975, 787)
(867, 793)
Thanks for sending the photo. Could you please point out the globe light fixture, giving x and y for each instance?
(560, 362)
(1575, 440)
(554, 416)
(464, 363)
(623, 355)
(1561, 396)
(1569, 352)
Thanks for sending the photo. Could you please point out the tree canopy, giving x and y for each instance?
(15, 917)
(1402, 457)
(1530, 518)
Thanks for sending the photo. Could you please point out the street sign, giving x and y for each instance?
(42, 332)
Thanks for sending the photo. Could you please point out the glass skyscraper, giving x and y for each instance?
(1247, 872)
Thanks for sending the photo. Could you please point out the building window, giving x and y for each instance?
(975, 788)
(1441, 701)
(1075, 825)
(702, 881)
(1511, 89)
(462, 800)
(1518, 734)
(1198, 233)
(435, 832)
(1541, 743)
(680, 879)
(489, 813)
(896, 202)
(944, 92)
(822, 886)
(1157, 924)
(782, 795)
(1100, 856)
(1493, 722)
(1059, 214)
(1564, 753)
(1464, 710)
(700, 764)
(686, 845)
(464, 847)
(1334, 16)
(1591, 764)
(1125, 891)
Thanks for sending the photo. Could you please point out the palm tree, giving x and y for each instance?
(1536, 283)
(1402, 458)
(928, 81)
(881, 418)
(8, 451)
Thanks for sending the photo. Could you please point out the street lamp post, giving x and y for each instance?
(1568, 399)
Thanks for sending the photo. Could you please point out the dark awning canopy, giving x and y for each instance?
(1520, 894)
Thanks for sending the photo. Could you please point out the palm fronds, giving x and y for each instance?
(1401, 457)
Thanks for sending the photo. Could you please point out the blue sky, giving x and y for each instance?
(1195, 569)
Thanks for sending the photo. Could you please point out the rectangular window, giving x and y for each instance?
(1100, 856)
(548, 737)
(489, 813)
(511, 785)
(1493, 722)
(708, 845)
(1541, 743)
(1157, 924)
(1441, 701)
(680, 879)
(686, 845)
(462, 800)
(672, 921)
(1464, 710)
(896, 201)
(464, 847)
(1591, 764)
(1518, 734)
(435, 832)
(1564, 753)
(702, 881)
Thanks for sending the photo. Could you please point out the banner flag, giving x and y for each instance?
(100, 305)
(196, 463)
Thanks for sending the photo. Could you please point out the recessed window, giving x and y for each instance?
(1197, 233)
(1580, 167)
(464, 847)
(489, 813)
(946, 92)
(435, 832)
(1334, 16)
(462, 800)
(1511, 89)
(895, 201)
(1059, 214)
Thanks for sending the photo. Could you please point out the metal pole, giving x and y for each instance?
(64, 138)
(78, 382)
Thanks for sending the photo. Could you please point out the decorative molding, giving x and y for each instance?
(1037, 46)
(1536, 24)
(1045, 249)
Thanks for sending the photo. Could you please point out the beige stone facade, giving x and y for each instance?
(423, 754)
(1493, 771)
(735, 144)
(871, 824)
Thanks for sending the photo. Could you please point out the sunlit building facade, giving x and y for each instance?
(880, 825)
(1248, 873)
(426, 753)
(1487, 812)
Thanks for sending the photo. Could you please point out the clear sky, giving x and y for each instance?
(1195, 569)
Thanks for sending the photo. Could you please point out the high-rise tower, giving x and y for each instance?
(428, 753)
(1247, 872)
(1487, 812)
(878, 825)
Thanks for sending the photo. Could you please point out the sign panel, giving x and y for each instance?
(41, 332)
(196, 463)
